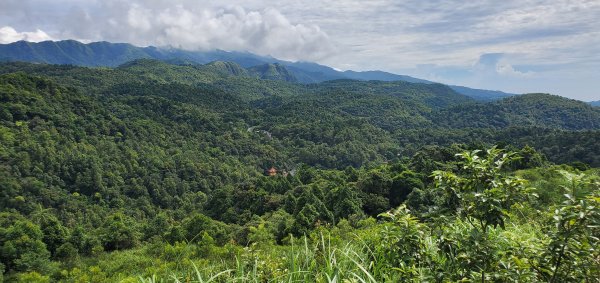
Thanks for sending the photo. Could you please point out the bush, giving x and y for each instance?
(21, 245)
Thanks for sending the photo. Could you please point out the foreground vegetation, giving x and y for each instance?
(155, 173)
(479, 221)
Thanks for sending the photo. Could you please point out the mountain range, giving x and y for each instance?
(349, 121)
(140, 165)
(114, 54)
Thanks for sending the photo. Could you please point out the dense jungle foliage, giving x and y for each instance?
(152, 172)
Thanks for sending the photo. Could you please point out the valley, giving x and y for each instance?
(155, 170)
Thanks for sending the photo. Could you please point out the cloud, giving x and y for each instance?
(498, 63)
(265, 32)
(189, 25)
(9, 34)
(504, 68)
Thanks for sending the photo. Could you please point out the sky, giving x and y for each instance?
(519, 46)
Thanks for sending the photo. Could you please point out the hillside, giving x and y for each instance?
(115, 54)
(353, 121)
(192, 141)
(537, 110)
(482, 94)
(150, 170)
(274, 72)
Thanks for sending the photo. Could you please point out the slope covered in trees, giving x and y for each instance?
(538, 110)
(108, 174)
(114, 54)
(389, 118)
(482, 94)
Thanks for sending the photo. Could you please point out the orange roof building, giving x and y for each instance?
(272, 171)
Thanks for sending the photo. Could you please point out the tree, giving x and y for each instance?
(158, 226)
(66, 251)
(55, 234)
(402, 185)
(482, 194)
(528, 157)
(402, 245)
(344, 201)
(308, 208)
(21, 244)
(573, 253)
(305, 219)
(119, 232)
(260, 235)
(375, 189)
(194, 227)
(481, 191)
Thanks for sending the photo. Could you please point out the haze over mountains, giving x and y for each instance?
(114, 54)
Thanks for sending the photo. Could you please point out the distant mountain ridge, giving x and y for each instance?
(482, 94)
(108, 54)
(594, 103)
(390, 105)
(533, 109)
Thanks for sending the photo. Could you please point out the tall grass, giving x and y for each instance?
(304, 260)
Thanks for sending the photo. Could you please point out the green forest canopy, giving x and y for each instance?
(163, 165)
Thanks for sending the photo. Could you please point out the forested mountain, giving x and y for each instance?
(539, 110)
(111, 174)
(595, 103)
(115, 54)
(275, 72)
(481, 94)
(112, 54)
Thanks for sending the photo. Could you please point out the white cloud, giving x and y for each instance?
(191, 26)
(506, 69)
(9, 34)
(498, 64)
(139, 18)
